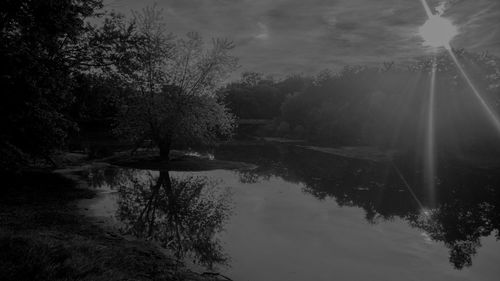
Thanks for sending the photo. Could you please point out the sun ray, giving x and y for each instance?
(491, 115)
(427, 8)
(412, 193)
(430, 145)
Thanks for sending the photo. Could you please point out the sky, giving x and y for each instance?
(306, 36)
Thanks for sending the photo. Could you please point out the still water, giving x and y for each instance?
(304, 215)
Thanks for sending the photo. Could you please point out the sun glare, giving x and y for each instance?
(438, 31)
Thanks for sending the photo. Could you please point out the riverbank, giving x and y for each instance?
(44, 237)
(179, 161)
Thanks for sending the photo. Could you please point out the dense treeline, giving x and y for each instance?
(40, 50)
(68, 65)
(256, 96)
(61, 74)
(383, 106)
(48, 59)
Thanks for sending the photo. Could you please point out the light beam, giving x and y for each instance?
(491, 115)
(427, 8)
(430, 151)
(408, 186)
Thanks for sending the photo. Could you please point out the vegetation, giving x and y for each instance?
(47, 55)
(40, 51)
(67, 67)
(259, 97)
(60, 73)
(151, 87)
(181, 214)
(173, 101)
(379, 106)
(43, 238)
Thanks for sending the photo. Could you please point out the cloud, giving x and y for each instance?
(263, 32)
(277, 36)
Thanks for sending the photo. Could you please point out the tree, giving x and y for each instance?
(182, 214)
(46, 48)
(175, 102)
(256, 96)
(251, 79)
(39, 52)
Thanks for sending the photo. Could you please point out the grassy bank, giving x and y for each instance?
(43, 237)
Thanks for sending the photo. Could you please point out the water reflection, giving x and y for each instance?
(467, 200)
(183, 214)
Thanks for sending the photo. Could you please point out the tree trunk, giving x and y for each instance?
(164, 147)
(173, 211)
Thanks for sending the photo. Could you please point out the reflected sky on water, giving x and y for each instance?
(304, 215)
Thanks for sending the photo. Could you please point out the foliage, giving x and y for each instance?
(45, 46)
(96, 97)
(174, 80)
(36, 59)
(388, 106)
(43, 237)
(259, 97)
(183, 215)
(382, 106)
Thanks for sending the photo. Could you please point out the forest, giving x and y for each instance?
(64, 73)
(82, 81)
(380, 106)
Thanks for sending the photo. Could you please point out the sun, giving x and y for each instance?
(438, 31)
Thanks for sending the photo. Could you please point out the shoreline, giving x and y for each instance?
(42, 224)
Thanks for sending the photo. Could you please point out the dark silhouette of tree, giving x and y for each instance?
(44, 46)
(175, 102)
(258, 97)
(388, 106)
(182, 214)
(37, 56)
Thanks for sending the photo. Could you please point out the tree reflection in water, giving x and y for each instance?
(468, 200)
(182, 214)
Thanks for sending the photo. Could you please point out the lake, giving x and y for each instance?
(306, 215)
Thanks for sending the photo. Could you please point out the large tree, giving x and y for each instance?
(175, 102)
(44, 46)
(38, 52)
